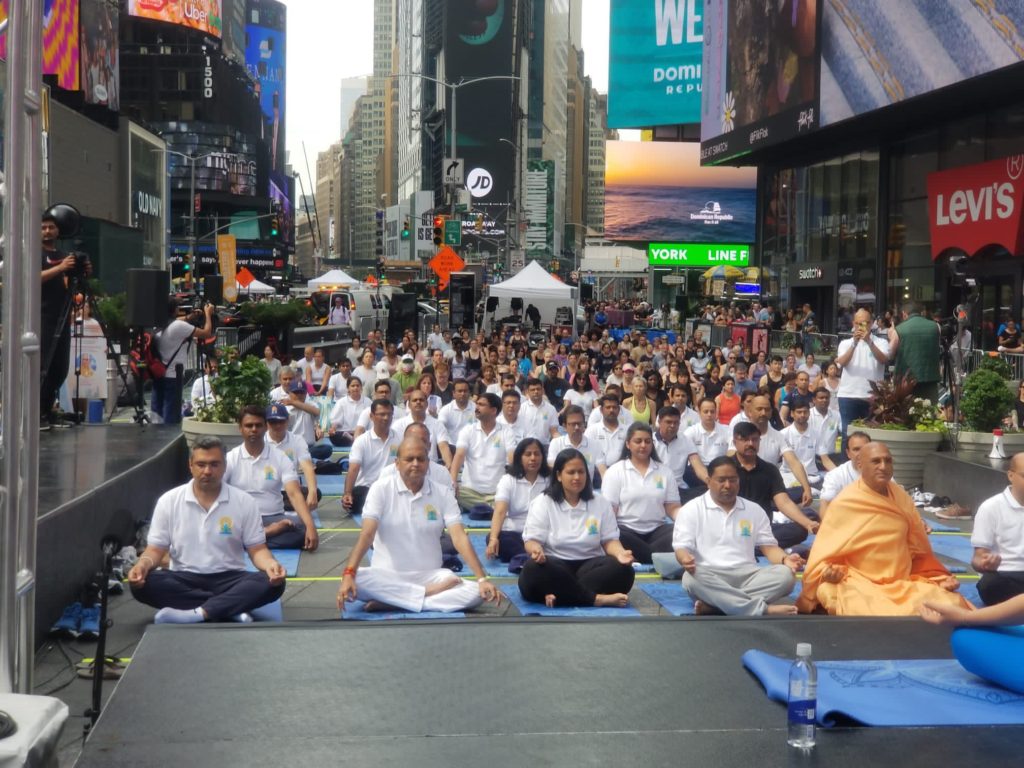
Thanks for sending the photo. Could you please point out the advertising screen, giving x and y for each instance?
(479, 44)
(760, 76)
(265, 60)
(101, 72)
(659, 192)
(875, 54)
(697, 255)
(203, 15)
(60, 41)
(654, 65)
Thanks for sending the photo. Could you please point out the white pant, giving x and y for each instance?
(742, 591)
(406, 590)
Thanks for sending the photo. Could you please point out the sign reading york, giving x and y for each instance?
(697, 255)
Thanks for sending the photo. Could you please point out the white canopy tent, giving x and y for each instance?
(255, 287)
(533, 285)
(334, 277)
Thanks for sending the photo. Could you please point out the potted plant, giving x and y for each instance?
(239, 382)
(912, 427)
(985, 405)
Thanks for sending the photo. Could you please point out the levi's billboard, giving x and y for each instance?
(976, 206)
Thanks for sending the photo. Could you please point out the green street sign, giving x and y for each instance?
(453, 232)
(697, 255)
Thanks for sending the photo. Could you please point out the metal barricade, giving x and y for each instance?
(244, 338)
(1015, 360)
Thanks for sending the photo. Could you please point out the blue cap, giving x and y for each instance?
(297, 385)
(277, 412)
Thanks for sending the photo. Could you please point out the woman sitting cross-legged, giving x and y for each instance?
(572, 539)
(522, 482)
(642, 491)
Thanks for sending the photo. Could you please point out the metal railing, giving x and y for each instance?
(244, 338)
(973, 358)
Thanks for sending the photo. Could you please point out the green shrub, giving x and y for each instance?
(986, 401)
(997, 365)
(239, 382)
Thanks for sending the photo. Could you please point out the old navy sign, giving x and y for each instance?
(976, 206)
(697, 255)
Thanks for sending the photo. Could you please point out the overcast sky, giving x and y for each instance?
(328, 41)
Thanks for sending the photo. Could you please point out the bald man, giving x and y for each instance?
(871, 556)
(403, 518)
(998, 539)
(843, 475)
(862, 358)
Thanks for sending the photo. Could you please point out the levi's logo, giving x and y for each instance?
(975, 205)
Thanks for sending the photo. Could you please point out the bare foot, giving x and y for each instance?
(549, 601)
(780, 610)
(700, 608)
(616, 600)
(441, 586)
(375, 606)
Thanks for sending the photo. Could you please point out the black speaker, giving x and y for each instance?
(492, 303)
(148, 291)
(517, 305)
(586, 292)
(213, 288)
(402, 317)
(681, 305)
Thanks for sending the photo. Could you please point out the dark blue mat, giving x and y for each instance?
(331, 485)
(269, 612)
(289, 558)
(354, 612)
(953, 546)
(969, 589)
(671, 596)
(938, 527)
(539, 609)
(895, 693)
(492, 567)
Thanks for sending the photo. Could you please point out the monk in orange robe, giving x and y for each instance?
(871, 556)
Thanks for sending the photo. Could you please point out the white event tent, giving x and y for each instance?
(334, 277)
(534, 285)
(255, 287)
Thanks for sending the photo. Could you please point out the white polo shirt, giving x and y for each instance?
(202, 392)
(999, 527)
(639, 496)
(837, 479)
(409, 524)
(596, 417)
(435, 472)
(737, 419)
(337, 386)
(805, 446)
(570, 533)
(364, 416)
(263, 477)
(486, 456)
(201, 541)
(518, 493)
(591, 451)
(453, 418)
(687, 418)
(345, 413)
(537, 420)
(676, 456)
(862, 369)
(293, 447)
(710, 445)
(516, 430)
(718, 539)
(826, 430)
(302, 424)
(372, 454)
(434, 427)
(608, 443)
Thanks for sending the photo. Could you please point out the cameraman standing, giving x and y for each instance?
(55, 336)
(172, 344)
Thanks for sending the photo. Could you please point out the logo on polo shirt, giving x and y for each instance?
(268, 473)
(224, 526)
(393, 452)
(431, 511)
(746, 529)
(592, 529)
(659, 482)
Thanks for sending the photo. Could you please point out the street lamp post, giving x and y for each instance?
(191, 160)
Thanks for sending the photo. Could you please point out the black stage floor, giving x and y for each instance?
(641, 692)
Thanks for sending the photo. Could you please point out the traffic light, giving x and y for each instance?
(406, 233)
(186, 264)
(275, 226)
(438, 230)
(380, 236)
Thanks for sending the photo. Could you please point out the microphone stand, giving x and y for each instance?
(110, 545)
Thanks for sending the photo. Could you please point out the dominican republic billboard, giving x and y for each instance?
(265, 59)
(204, 15)
(657, 191)
(60, 41)
(100, 54)
(654, 63)
(760, 75)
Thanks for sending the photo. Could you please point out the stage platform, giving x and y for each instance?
(641, 692)
(966, 477)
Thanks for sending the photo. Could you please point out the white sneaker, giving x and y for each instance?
(242, 618)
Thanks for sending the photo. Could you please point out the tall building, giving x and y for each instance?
(577, 154)
(351, 89)
(328, 199)
(599, 134)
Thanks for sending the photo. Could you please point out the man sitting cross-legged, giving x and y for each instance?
(206, 525)
(403, 519)
(714, 539)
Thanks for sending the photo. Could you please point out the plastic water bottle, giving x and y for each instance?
(803, 698)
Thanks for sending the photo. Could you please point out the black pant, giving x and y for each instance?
(341, 439)
(359, 494)
(1000, 586)
(643, 545)
(58, 352)
(789, 534)
(691, 493)
(291, 538)
(574, 582)
(288, 502)
(221, 595)
(510, 544)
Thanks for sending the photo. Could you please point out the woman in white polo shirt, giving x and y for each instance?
(573, 543)
(521, 484)
(642, 491)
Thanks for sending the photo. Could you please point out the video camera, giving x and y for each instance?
(69, 224)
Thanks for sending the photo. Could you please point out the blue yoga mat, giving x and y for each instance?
(492, 567)
(539, 609)
(315, 514)
(354, 612)
(671, 596)
(952, 546)
(289, 558)
(938, 527)
(969, 589)
(269, 612)
(331, 485)
(895, 693)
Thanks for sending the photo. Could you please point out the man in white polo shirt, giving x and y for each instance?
(371, 452)
(678, 452)
(457, 414)
(998, 539)
(345, 413)
(295, 449)
(206, 526)
(538, 416)
(845, 474)
(439, 440)
(263, 471)
(608, 436)
(575, 422)
(482, 451)
(403, 519)
(714, 540)
(509, 418)
(863, 360)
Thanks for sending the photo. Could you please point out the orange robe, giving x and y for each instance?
(883, 542)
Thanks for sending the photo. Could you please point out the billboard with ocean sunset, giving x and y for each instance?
(657, 191)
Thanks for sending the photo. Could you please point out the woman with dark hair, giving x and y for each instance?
(584, 368)
(522, 482)
(642, 491)
(581, 394)
(573, 543)
(655, 389)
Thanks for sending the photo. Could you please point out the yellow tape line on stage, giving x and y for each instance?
(311, 579)
(90, 661)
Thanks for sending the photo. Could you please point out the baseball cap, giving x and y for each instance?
(297, 385)
(629, 367)
(408, 359)
(552, 364)
(277, 412)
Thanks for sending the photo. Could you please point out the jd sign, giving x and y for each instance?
(697, 255)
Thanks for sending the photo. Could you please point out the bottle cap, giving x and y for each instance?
(997, 433)
(803, 649)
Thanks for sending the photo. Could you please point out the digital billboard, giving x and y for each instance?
(654, 64)
(100, 54)
(265, 60)
(698, 255)
(760, 75)
(479, 44)
(876, 54)
(60, 41)
(657, 191)
(204, 15)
